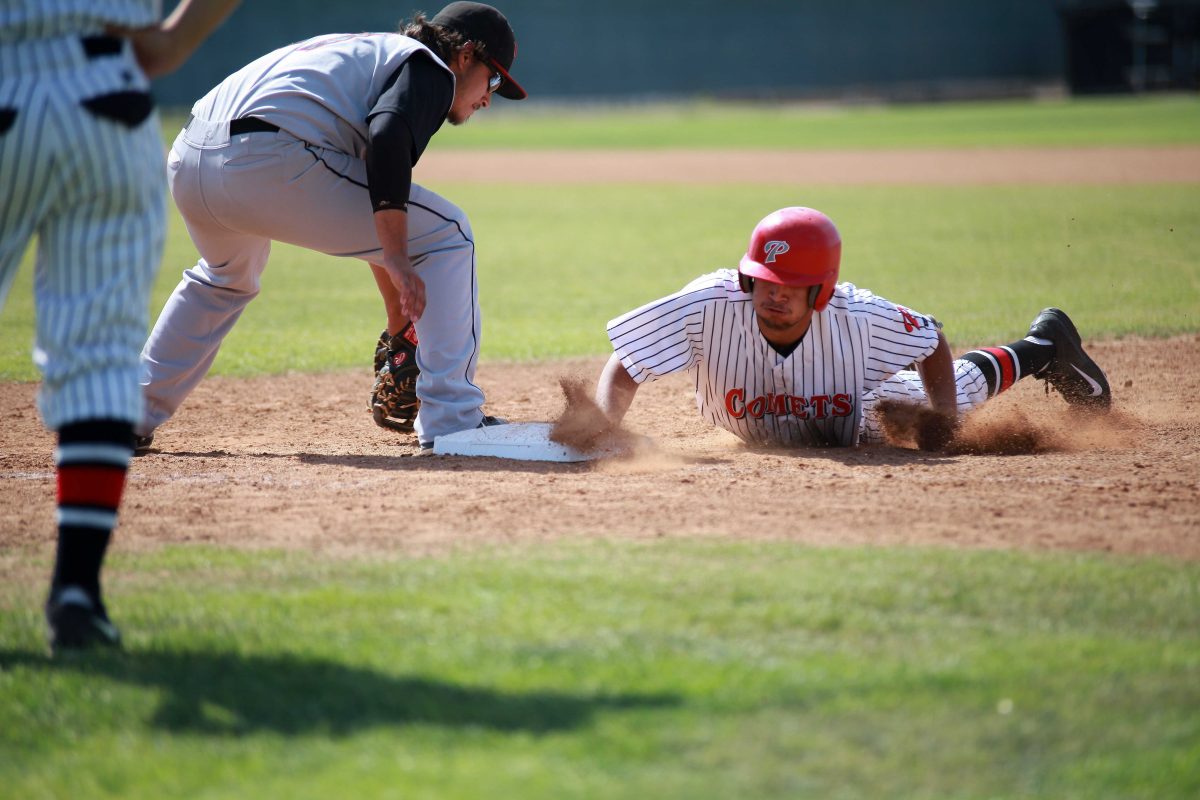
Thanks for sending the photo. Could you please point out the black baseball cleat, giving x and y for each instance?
(142, 444)
(78, 622)
(1073, 373)
(487, 422)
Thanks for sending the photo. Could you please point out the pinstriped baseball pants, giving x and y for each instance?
(91, 191)
(971, 391)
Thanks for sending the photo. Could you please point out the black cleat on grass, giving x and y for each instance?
(1073, 373)
(77, 622)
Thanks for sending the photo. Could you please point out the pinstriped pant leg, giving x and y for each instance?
(92, 192)
(21, 202)
(97, 258)
(905, 386)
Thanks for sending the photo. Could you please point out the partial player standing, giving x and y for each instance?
(314, 144)
(81, 169)
(783, 354)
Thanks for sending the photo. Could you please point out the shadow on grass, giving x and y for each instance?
(232, 694)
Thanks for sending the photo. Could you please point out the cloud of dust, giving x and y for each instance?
(583, 426)
(1005, 429)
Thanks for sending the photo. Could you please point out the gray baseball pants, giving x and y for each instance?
(238, 194)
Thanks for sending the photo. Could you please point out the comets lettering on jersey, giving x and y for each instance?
(820, 406)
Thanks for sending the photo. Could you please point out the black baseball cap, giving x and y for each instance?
(478, 22)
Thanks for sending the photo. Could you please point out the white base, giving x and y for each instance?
(521, 441)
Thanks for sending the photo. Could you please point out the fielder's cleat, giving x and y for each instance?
(486, 422)
(141, 444)
(78, 622)
(1073, 373)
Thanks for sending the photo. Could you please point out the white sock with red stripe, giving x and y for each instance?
(91, 460)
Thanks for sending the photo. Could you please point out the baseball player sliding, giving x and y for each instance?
(783, 354)
(314, 144)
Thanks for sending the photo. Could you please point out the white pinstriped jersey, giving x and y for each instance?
(320, 90)
(22, 20)
(814, 396)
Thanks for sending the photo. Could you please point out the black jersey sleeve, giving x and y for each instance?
(411, 109)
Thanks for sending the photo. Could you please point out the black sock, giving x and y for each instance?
(79, 558)
(1033, 357)
(1004, 366)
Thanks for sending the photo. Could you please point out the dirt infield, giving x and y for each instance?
(296, 461)
(242, 466)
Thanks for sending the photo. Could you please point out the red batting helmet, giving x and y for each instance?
(795, 247)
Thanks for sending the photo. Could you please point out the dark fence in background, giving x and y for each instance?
(1132, 45)
(757, 49)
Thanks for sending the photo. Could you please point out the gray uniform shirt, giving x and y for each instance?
(320, 90)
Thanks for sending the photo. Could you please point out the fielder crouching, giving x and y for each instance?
(314, 144)
(783, 354)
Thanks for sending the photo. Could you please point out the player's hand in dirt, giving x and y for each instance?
(935, 429)
(905, 423)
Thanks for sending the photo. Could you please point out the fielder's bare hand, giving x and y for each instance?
(411, 288)
(391, 225)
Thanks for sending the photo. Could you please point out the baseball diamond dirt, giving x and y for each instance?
(281, 462)
(236, 468)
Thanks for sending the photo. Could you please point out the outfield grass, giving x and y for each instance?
(557, 262)
(1150, 120)
(1016, 123)
(669, 669)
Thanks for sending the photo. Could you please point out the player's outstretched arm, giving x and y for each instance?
(937, 374)
(163, 48)
(936, 427)
(616, 389)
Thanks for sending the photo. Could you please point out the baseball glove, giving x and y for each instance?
(393, 403)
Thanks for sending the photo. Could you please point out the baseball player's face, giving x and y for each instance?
(783, 312)
(473, 87)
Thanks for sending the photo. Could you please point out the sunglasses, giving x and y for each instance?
(496, 78)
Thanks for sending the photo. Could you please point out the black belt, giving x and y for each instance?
(251, 125)
(97, 46)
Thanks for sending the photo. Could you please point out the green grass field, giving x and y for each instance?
(686, 669)
(670, 668)
(1154, 120)
(557, 262)
(1018, 123)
